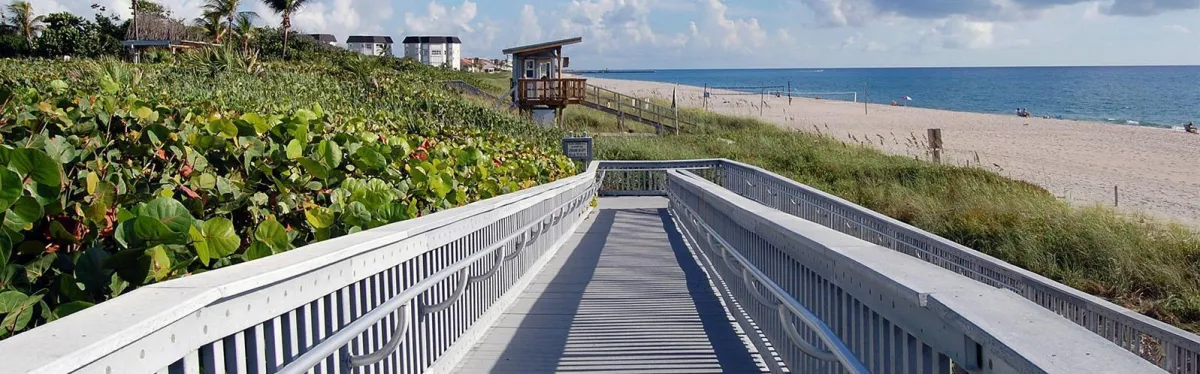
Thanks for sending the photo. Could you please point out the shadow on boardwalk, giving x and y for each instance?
(625, 295)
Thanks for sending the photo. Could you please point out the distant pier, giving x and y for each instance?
(607, 71)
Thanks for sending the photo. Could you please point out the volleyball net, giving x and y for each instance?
(777, 91)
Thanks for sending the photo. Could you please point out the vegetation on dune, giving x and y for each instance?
(1148, 266)
(118, 175)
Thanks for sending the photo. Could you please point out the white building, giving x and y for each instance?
(370, 45)
(324, 38)
(434, 50)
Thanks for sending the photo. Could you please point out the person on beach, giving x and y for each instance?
(1190, 128)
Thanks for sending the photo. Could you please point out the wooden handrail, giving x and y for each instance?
(645, 109)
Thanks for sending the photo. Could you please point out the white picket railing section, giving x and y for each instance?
(414, 296)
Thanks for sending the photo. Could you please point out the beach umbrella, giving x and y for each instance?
(906, 98)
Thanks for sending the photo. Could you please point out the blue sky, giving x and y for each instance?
(774, 33)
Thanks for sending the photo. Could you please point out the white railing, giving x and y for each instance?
(414, 296)
(1168, 347)
(825, 302)
(403, 298)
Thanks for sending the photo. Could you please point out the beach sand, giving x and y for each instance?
(1156, 171)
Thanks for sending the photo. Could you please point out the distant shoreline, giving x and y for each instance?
(1078, 160)
(1148, 96)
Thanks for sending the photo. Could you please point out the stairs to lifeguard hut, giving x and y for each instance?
(625, 107)
(622, 106)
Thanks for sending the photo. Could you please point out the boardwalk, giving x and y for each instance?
(624, 295)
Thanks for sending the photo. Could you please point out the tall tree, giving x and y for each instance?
(243, 26)
(221, 9)
(22, 17)
(210, 22)
(285, 8)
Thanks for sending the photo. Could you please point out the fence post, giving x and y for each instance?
(935, 144)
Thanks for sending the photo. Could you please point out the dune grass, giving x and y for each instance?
(1143, 264)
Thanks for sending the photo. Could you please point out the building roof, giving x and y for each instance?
(326, 38)
(369, 39)
(542, 46)
(432, 40)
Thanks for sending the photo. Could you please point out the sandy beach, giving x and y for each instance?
(1155, 171)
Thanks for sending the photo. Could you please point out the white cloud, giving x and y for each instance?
(734, 34)
(959, 33)
(851, 40)
(439, 19)
(1177, 29)
(875, 46)
(531, 31)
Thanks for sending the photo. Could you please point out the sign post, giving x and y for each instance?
(578, 148)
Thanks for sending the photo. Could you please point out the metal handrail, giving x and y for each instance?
(788, 307)
(313, 357)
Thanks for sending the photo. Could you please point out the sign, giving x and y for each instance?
(578, 148)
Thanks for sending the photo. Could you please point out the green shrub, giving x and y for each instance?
(1143, 264)
(114, 176)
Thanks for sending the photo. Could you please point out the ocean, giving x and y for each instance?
(1159, 96)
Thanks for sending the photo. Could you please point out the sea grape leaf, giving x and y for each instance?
(10, 300)
(223, 127)
(441, 184)
(132, 265)
(319, 217)
(18, 318)
(371, 158)
(21, 215)
(117, 285)
(71, 308)
(160, 263)
(37, 165)
(294, 149)
(93, 182)
(5, 250)
(69, 287)
(314, 168)
(260, 124)
(150, 229)
(271, 233)
(199, 244)
(218, 238)
(34, 270)
(90, 270)
(10, 188)
(60, 149)
(257, 250)
(170, 212)
(58, 231)
(356, 214)
(329, 154)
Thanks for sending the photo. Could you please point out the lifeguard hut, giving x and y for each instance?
(538, 87)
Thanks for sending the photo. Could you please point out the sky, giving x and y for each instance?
(666, 34)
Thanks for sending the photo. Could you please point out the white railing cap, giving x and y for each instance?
(1025, 330)
(81, 338)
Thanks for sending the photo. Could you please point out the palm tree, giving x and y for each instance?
(224, 8)
(210, 22)
(243, 27)
(285, 8)
(22, 17)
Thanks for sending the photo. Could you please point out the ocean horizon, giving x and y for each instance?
(1163, 96)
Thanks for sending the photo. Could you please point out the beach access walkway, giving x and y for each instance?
(623, 295)
(624, 107)
(691, 266)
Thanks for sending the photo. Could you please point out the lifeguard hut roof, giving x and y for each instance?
(541, 46)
